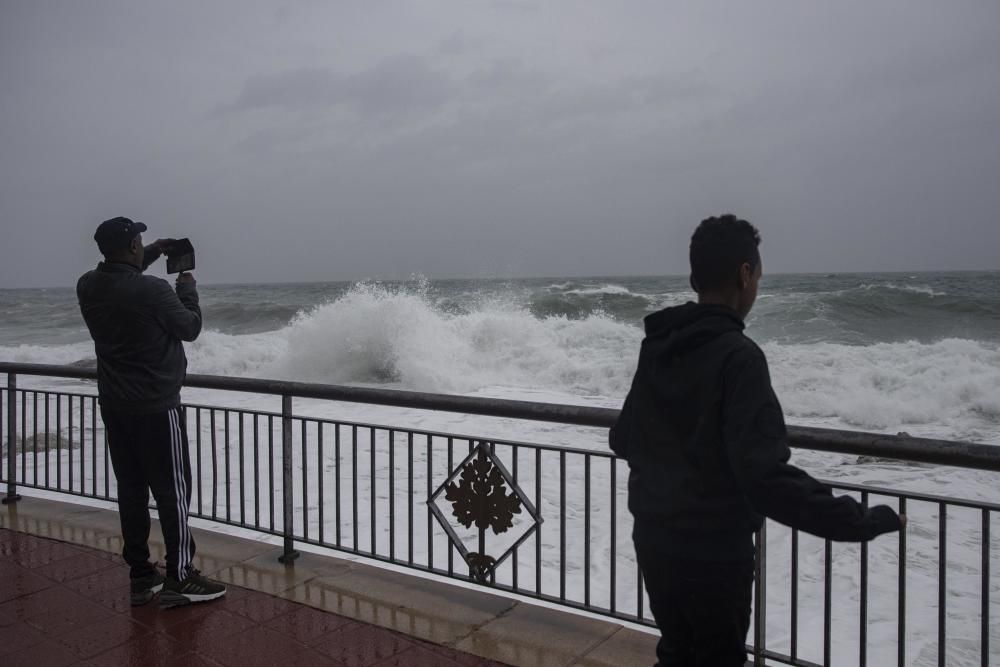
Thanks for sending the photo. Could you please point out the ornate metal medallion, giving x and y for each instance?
(476, 496)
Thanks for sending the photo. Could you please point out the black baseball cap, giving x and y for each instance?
(117, 233)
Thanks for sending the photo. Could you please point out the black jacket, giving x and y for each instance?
(137, 323)
(705, 440)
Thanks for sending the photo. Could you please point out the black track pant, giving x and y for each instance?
(150, 453)
(701, 608)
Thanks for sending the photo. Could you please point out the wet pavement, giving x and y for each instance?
(65, 604)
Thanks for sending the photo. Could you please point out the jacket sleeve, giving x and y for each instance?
(150, 254)
(618, 436)
(756, 444)
(178, 311)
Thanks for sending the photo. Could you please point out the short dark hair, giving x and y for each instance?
(719, 246)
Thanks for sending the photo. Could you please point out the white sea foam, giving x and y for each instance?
(47, 354)
(948, 389)
(914, 289)
(603, 289)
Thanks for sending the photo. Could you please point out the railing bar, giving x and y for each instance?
(270, 467)
(514, 555)
(256, 470)
(984, 647)
(639, 607)
(430, 490)
(336, 468)
(243, 499)
(482, 542)
(107, 472)
(942, 581)
(197, 447)
(586, 531)
(287, 480)
(901, 611)
(69, 445)
(229, 475)
(93, 444)
(305, 480)
(451, 547)
(795, 595)
(538, 529)
(58, 439)
(354, 484)
(912, 495)
(760, 571)
(48, 435)
(392, 495)
(827, 601)
(215, 465)
(320, 479)
(817, 439)
(409, 515)
(863, 615)
(83, 447)
(562, 526)
(614, 534)
(371, 488)
(34, 437)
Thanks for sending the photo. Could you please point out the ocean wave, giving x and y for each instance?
(603, 289)
(377, 335)
(950, 388)
(250, 318)
(913, 289)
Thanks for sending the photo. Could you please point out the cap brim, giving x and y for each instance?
(140, 227)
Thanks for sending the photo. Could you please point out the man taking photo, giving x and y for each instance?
(137, 323)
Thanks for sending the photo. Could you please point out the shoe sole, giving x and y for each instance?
(170, 599)
(139, 599)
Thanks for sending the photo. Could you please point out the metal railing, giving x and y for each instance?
(363, 489)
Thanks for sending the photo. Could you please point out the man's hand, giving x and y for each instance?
(160, 244)
(185, 278)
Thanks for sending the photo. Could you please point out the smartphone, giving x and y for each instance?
(180, 256)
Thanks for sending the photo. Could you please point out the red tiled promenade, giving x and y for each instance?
(63, 604)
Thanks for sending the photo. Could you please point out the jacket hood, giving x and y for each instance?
(683, 328)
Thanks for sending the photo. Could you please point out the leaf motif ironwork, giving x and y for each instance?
(481, 497)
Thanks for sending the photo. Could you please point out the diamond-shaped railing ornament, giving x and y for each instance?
(476, 498)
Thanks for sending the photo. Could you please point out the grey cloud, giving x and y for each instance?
(454, 44)
(394, 85)
(580, 137)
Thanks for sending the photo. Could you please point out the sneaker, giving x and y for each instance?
(143, 589)
(194, 588)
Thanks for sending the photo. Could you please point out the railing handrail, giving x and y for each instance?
(901, 447)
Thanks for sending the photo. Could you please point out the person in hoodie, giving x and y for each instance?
(137, 323)
(706, 445)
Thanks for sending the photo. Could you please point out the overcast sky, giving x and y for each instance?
(321, 140)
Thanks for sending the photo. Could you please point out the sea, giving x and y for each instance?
(915, 353)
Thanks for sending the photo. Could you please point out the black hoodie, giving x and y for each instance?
(705, 440)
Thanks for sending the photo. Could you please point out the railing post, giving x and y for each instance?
(289, 554)
(11, 496)
(760, 597)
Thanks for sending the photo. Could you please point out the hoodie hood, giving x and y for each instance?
(683, 328)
